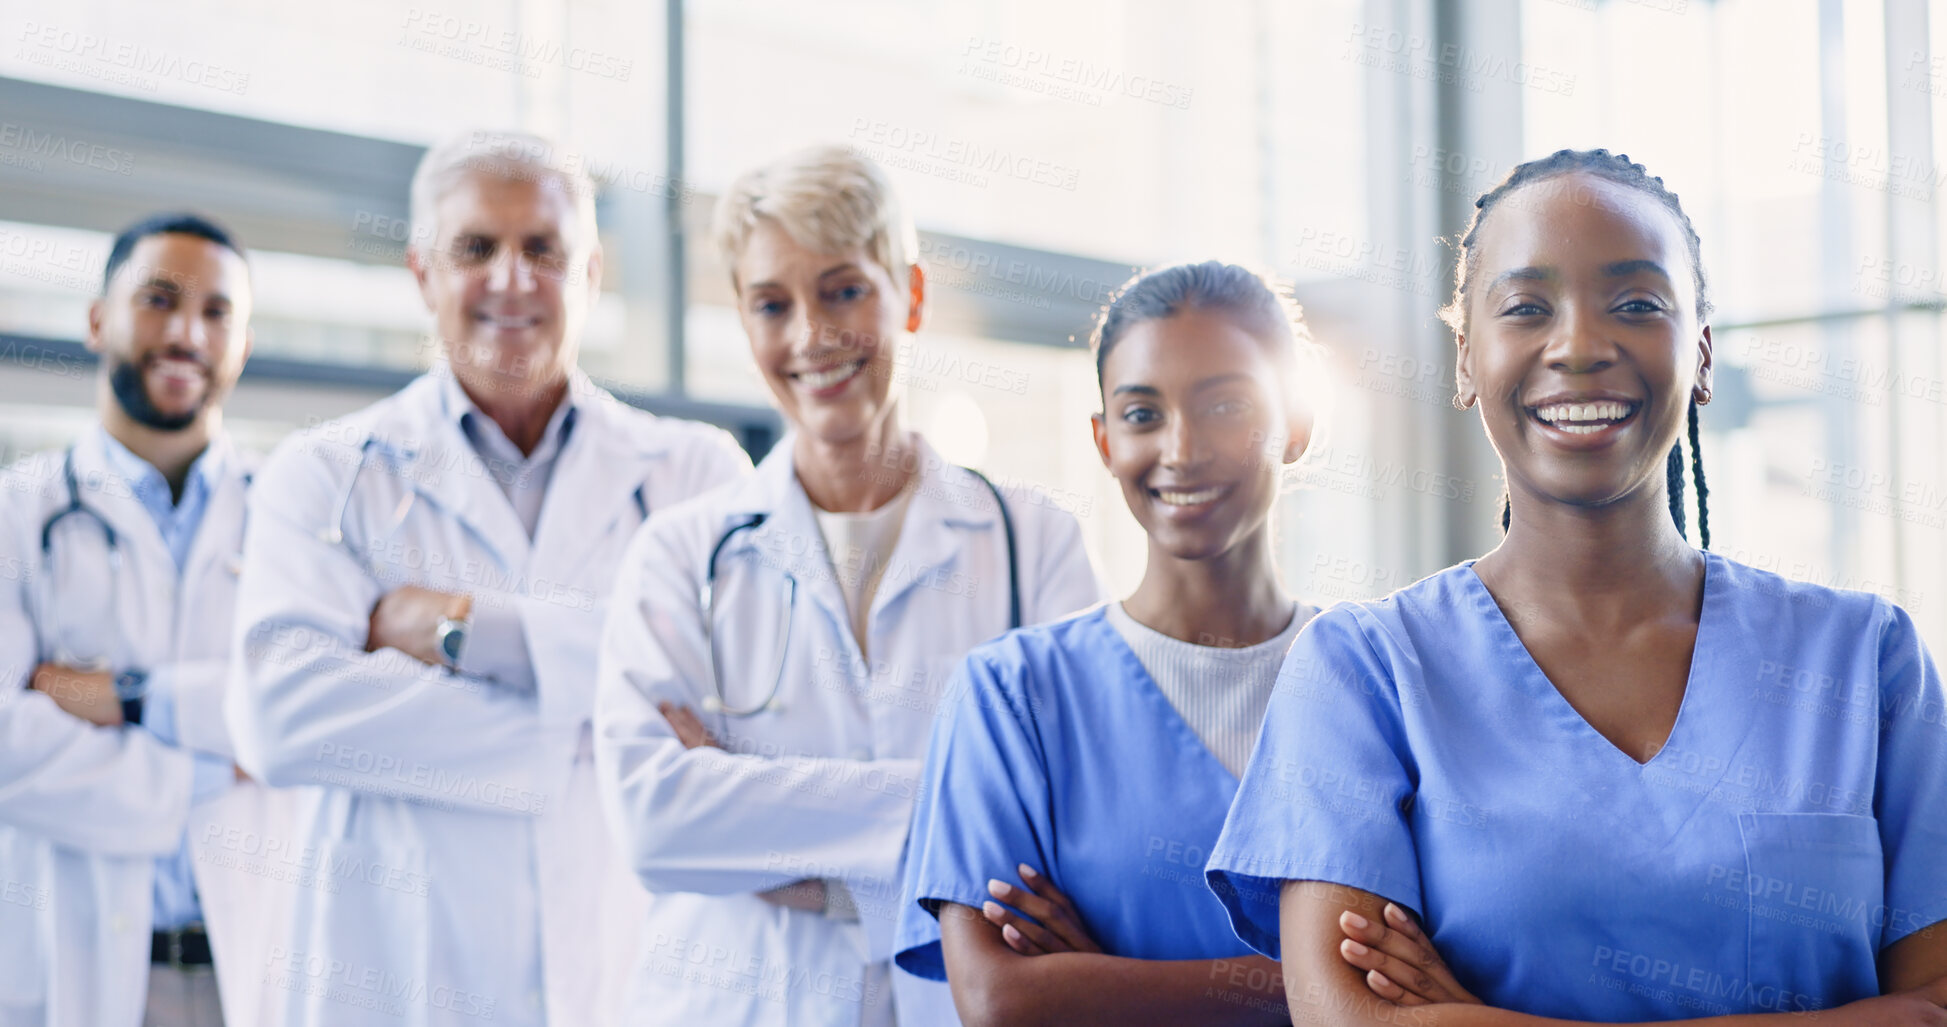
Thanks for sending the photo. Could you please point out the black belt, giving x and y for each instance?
(187, 947)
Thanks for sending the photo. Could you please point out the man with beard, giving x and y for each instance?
(117, 578)
(420, 611)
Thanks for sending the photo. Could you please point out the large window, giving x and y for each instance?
(1801, 136)
(333, 288)
(1046, 150)
(1125, 134)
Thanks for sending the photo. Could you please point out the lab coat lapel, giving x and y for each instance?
(104, 490)
(216, 549)
(789, 537)
(949, 505)
(143, 628)
(444, 469)
(595, 481)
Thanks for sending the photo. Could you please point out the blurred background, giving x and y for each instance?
(1047, 150)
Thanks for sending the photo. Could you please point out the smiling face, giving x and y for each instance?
(173, 328)
(509, 278)
(1582, 342)
(1195, 427)
(824, 329)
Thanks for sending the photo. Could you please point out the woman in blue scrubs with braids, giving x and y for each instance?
(1597, 774)
(1079, 776)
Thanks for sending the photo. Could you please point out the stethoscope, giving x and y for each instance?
(334, 534)
(76, 508)
(717, 703)
(79, 509)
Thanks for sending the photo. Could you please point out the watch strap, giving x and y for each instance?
(132, 688)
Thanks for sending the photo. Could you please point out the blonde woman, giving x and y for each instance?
(777, 648)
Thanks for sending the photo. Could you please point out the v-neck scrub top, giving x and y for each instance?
(1057, 749)
(1793, 826)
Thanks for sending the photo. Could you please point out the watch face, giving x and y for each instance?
(450, 640)
(130, 685)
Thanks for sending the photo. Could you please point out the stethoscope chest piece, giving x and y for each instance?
(714, 705)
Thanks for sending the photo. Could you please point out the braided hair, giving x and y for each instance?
(1617, 168)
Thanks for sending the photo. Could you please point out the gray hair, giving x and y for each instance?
(511, 156)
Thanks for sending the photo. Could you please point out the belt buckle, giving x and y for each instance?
(174, 947)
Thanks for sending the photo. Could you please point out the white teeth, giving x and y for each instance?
(1190, 498)
(512, 323)
(1583, 418)
(827, 379)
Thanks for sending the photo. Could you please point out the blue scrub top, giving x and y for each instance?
(1056, 749)
(1794, 824)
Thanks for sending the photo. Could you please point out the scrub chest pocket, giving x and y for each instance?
(1814, 889)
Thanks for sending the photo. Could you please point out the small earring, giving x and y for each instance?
(1460, 404)
(1701, 395)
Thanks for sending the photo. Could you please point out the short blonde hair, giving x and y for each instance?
(827, 198)
(511, 156)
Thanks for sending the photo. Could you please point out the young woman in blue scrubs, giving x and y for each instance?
(1075, 784)
(1615, 778)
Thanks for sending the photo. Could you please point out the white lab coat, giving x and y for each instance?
(85, 810)
(456, 817)
(823, 785)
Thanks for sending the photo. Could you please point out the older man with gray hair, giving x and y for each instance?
(421, 601)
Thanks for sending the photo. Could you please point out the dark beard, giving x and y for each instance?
(125, 379)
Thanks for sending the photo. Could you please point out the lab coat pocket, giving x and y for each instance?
(361, 952)
(24, 930)
(1814, 888)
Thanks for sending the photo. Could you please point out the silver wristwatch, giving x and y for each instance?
(451, 637)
